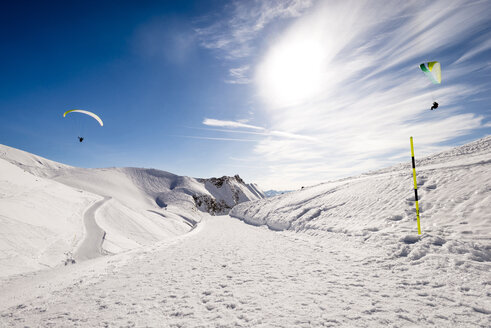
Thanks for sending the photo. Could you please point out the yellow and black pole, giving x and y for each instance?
(415, 186)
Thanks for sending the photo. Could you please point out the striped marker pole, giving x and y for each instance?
(415, 186)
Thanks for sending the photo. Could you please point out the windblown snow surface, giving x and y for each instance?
(339, 254)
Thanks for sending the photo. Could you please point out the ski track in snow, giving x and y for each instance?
(226, 273)
(91, 246)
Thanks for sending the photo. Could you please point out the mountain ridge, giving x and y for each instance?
(44, 205)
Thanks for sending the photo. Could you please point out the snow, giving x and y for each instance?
(454, 197)
(340, 254)
(52, 213)
(40, 220)
(232, 192)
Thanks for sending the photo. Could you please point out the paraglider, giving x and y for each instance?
(97, 118)
(84, 112)
(433, 71)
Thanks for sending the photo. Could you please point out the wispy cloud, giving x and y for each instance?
(163, 37)
(264, 131)
(217, 138)
(239, 75)
(233, 35)
(231, 124)
(482, 44)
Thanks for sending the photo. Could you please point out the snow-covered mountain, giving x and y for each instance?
(272, 193)
(338, 254)
(48, 210)
(226, 193)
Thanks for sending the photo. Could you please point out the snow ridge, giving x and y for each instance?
(454, 189)
(45, 207)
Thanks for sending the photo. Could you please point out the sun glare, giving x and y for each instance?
(292, 72)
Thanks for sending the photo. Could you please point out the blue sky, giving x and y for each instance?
(284, 93)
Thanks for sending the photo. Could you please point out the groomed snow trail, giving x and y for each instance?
(226, 273)
(91, 246)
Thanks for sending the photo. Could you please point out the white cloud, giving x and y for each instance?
(233, 35)
(264, 131)
(481, 45)
(231, 124)
(218, 138)
(239, 75)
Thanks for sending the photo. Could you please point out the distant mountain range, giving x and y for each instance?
(272, 193)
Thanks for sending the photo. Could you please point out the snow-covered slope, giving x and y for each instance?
(49, 210)
(342, 254)
(454, 189)
(40, 220)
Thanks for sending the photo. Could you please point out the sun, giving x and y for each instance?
(293, 71)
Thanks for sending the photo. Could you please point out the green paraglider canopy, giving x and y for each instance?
(433, 71)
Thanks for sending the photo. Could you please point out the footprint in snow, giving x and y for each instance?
(395, 218)
(410, 239)
(431, 187)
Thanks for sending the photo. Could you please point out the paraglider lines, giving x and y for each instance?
(415, 185)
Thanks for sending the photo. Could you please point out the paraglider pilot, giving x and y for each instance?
(435, 106)
(82, 139)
